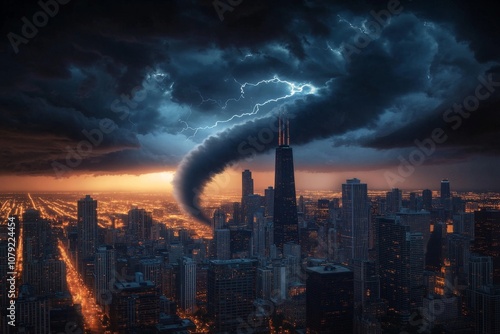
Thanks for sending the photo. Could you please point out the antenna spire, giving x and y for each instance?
(288, 131)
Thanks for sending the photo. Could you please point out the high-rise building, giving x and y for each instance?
(487, 235)
(140, 223)
(105, 269)
(286, 228)
(222, 241)
(231, 293)
(187, 285)
(394, 199)
(487, 309)
(418, 222)
(87, 230)
(329, 299)
(427, 199)
(463, 223)
(400, 259)
(246, 183)
(135, 306)
(269, 202)
(355, 219)
(366, 283)
(445, 195)
(218, 219)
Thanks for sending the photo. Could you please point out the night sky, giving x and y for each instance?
(136, 87)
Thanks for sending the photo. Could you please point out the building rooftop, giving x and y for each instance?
(329, 269)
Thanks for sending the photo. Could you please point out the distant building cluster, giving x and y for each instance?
(392, 263)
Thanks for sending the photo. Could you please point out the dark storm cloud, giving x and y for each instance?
(91, 58)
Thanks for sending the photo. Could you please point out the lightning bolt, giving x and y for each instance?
(293, 88)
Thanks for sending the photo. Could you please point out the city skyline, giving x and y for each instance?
(398, 93)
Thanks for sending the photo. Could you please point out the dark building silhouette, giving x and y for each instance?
(427, 199)
(286, 227)
(445, 195)
(487, 236)
(329, 299)
(246, 183)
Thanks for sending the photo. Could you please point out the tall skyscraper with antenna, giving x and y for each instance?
(286, 228)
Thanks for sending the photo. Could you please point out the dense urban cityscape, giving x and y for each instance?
(355, 261)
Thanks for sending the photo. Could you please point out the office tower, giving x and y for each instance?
(463, 223)
(329, 299)
(32, 312)
(294, 308)
(187, 285)
(487, 309)
(87, 231)
(445, 194)
(135, 306)
(264, 283)
(246, 183)
(286, 228)
(240, 243)
(418, 222)
(280, 281)
(47, 277)
(259, 235)
(269, 202)
(427, 199)
(218, 220)
(355, 219)
(412, 205)
(394, 200)
(140, 223)
(152, 270)
(251, 204)
(480, 277)
(222, 241)
(480, 271)
(246, 193)
(175, 253)
(366, 283)
(105, 269)
(36, 233)
(458, 249)
(487, 235)
(231, 293)
(237, 213)
(401, 264)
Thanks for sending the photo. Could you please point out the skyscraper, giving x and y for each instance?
(445, 194)
(329, 299)
(104, 274)
(401, 264)
(286, 227)
(140, 223)
(355, 219)
(487, 234)
(231, 293)
(187, 285)
(246, 183)
(87, 230)
(427, 199)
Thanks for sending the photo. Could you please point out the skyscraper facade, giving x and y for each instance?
(445, 194)
(285, 219)
(87, 230)
(427, 199)
(487, 235)
(231, 293)
(355, 219)
(246, 183)
(329, 299)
